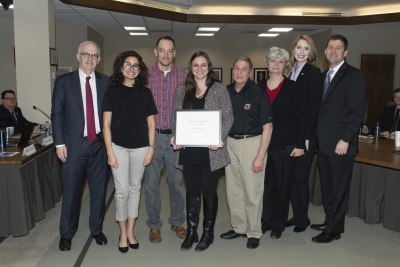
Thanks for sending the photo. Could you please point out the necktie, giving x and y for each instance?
(395, 120)
(91, 128)
(327, 81)
(14, 115)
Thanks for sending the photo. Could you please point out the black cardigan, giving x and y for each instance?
(289, 117)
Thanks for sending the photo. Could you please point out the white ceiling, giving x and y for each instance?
(111, 23)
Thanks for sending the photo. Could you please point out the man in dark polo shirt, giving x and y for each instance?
(247, 145)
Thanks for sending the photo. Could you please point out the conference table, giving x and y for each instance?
(375, 187)
(29, 186)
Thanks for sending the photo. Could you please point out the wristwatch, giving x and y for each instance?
(153, 146)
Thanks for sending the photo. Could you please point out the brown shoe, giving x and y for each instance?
(155, 235)
(180, 231)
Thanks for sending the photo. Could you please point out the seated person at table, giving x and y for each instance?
(390, 116)
(9, 109)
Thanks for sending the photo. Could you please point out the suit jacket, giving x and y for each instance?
(342, 110)
(310, 81)
(217, 98)
(67, 114)
(289, 117)
(386, 118)
(6, 119)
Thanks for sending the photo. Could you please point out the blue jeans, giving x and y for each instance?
(164, 154)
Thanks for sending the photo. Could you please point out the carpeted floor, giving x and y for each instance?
(361, 245)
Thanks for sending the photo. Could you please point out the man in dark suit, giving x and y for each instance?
(389, 119)
(10, 113)
(339, 119)
(77, 122)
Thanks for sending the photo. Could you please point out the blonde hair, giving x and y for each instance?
(312, 58)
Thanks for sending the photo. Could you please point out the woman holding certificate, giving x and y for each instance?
(200, 166)
(287, 140)
(129, 136)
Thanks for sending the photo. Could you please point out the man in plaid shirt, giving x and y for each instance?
(164, 77)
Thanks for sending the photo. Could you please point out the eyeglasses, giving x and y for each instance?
(11, 98)
(86, 55)
(128, 65)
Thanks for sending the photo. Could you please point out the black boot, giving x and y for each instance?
(193, 204)
(210, 213)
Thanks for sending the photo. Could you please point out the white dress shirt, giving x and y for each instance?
(335, 70)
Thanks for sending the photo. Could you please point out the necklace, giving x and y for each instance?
(200, 96)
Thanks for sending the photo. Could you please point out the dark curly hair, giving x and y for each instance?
(118, 78)
(190, 83)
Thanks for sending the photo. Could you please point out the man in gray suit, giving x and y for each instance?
(77, 122)
(341, 114)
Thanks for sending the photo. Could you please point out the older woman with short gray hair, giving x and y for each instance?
(287, 141)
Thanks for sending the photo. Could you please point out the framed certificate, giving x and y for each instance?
(198, 128)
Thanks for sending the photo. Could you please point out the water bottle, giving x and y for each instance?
(47, 131)
(377, 132)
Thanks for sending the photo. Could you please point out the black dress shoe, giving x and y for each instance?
(299, 229)
(325, 237)
(134, 246)
(101, 239)
(65, 244)
(231, 235)
(122, 249)
(252, 242)
(318, 227)
(276, 234)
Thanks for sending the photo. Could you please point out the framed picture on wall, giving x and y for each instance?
(260, 74)
(62, 70)
(53, 57)
(218, 73)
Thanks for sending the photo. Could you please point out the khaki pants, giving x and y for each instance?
(244, 188)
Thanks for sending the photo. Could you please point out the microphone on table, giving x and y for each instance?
(38, 109)
(37, 145)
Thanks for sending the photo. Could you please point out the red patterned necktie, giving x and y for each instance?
(91, 128)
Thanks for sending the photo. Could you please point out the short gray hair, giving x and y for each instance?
(277, 52)
(244, 58)
(88, 42)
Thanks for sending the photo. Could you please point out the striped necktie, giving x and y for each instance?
(14, 115)
(327, 81)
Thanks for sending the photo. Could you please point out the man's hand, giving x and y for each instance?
(61, 152)
(258, 164)
(385, 133)
(341, 147)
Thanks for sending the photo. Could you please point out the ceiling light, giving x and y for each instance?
(139, 33)
(204, 34)
(268, 34)
(135, 28)
(208, 29)
(280, 29)
(11, 6)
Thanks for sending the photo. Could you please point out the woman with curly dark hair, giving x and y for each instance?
(200, 166)
(129, 136)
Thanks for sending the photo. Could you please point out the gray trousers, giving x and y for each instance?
(127, 180)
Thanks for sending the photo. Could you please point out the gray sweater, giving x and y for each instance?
(217, 98)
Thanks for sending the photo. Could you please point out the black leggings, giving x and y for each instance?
(200, 179)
